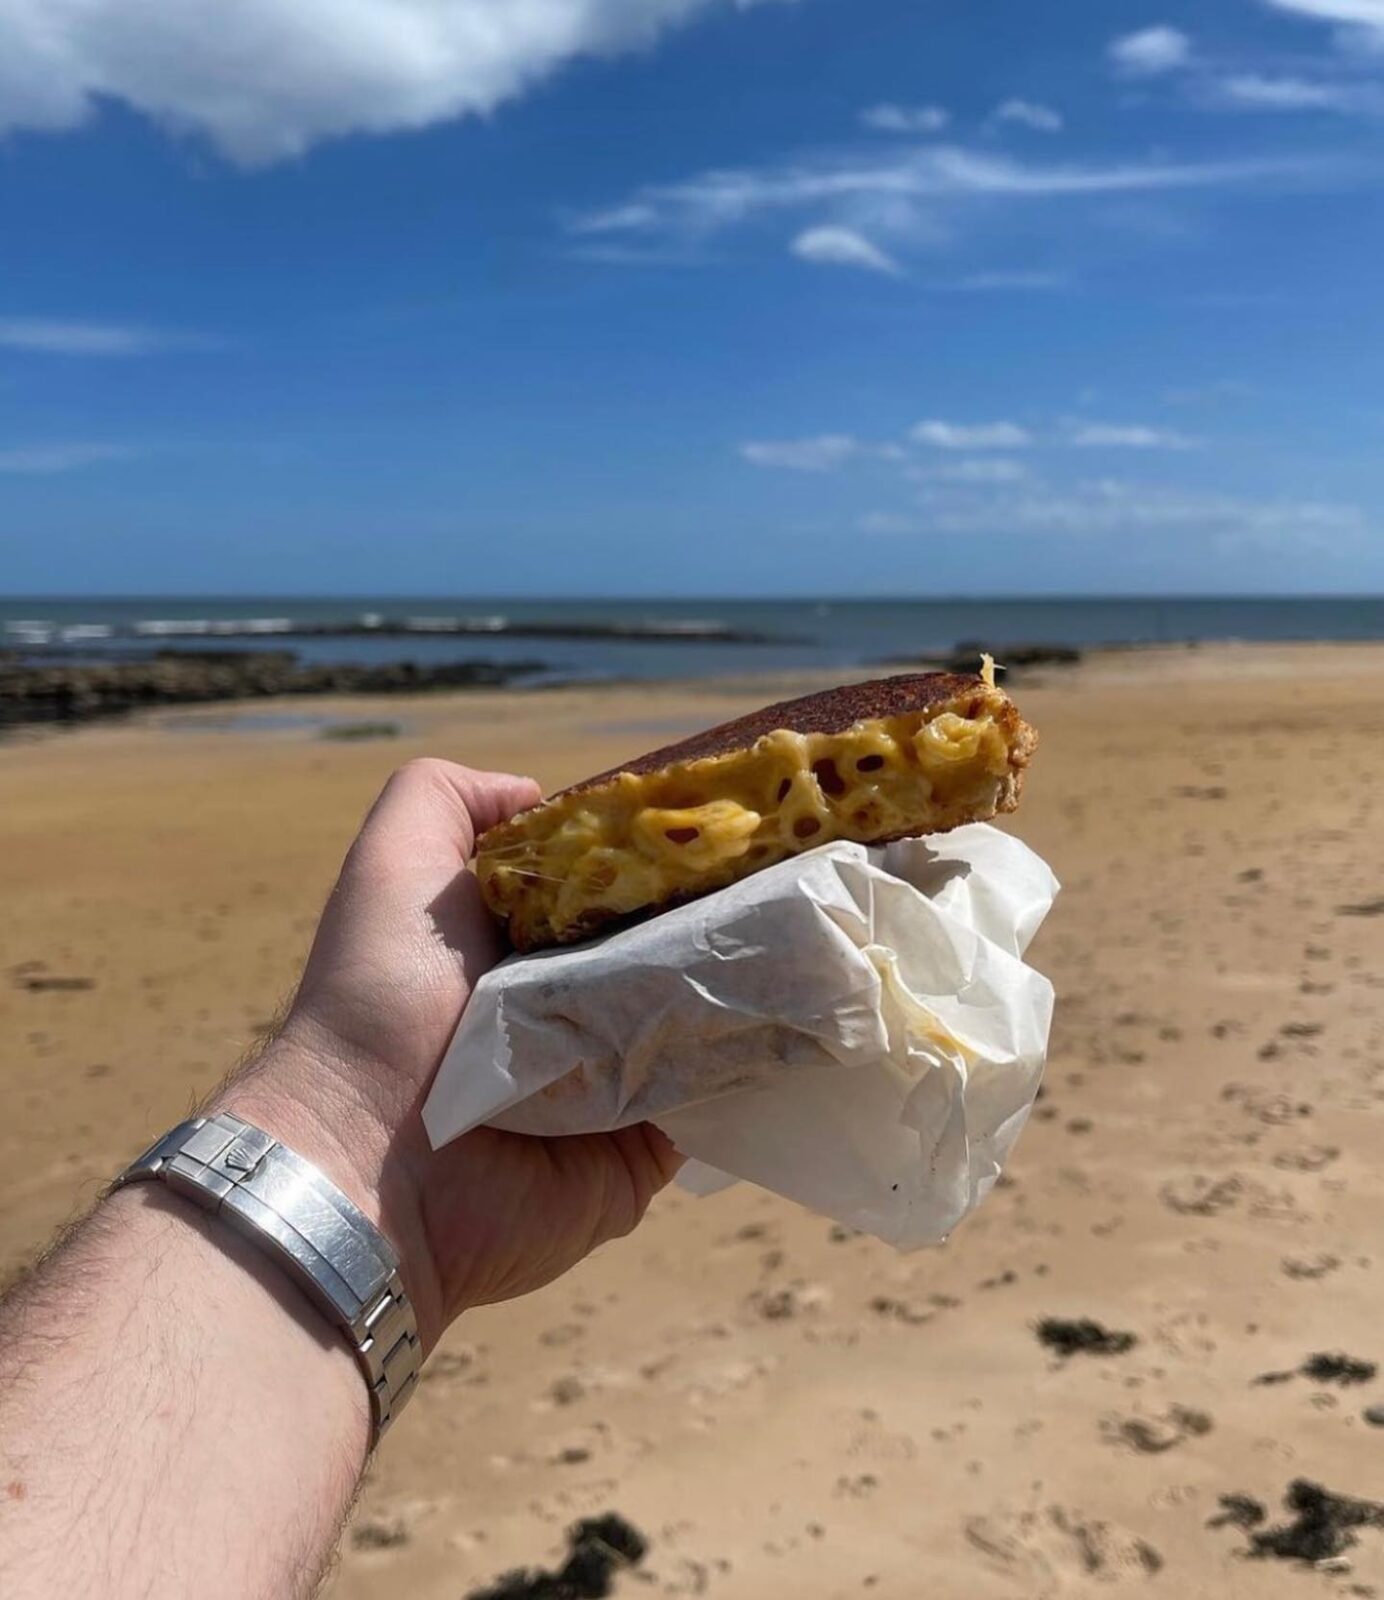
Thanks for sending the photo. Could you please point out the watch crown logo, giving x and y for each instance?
(238, 1159)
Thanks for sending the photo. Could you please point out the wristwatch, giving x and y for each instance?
(297, 1216)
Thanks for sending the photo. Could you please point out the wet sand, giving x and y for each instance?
(780, 1409)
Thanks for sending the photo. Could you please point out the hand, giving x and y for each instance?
(403, 940)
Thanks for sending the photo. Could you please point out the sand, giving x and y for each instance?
(781, 1409)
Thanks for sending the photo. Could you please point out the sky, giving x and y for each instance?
(703, 297)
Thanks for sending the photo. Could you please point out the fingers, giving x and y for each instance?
(490, 798)
(651, 1161)
(440, 809)
(665, 1155)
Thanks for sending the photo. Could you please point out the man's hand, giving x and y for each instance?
(403, 940)
(174, 1413)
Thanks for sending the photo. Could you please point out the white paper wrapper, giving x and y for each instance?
(855, 1029)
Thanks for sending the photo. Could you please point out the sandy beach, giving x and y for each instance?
(780, 1408)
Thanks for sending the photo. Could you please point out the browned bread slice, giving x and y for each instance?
(871, 762)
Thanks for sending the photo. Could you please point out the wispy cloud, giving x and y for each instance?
(908, 196)
(1113, 508)
(1367, 14)
(1151, 51)
(968, 479)
(616, 219)
(905, 119)
(1127, 436)
(888, 522)
(70, 456)
(267, 81)
(843, 247)
(974, 470)
(1030, 114)
(617, 254)
(824, 453)
(1000, 282)
(63, 337)
(1251, 91)
(971, 436)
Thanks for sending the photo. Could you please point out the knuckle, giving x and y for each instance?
(422, 774)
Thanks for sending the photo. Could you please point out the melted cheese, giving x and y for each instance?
(640, 841)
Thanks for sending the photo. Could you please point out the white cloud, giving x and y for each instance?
(627, 255)
(1251, 92)
(1348, 13)
(1127, 436)
(1151, 51)
(842, 247)
(999, 282)
(824, 453)
(906, 119)
(266, 79)
(618, 219)
(40, 459)
(57, 336)
(977, 436)
(1113, 508)
(973, 470)
(890, 522)
(888, 189)
(1028, 113)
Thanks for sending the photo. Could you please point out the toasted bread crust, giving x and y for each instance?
(831, 711)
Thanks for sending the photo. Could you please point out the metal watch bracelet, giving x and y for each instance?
(298, 1217)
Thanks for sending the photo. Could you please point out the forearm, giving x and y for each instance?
(173, 1413)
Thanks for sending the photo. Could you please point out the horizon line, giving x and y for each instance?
(999, 597)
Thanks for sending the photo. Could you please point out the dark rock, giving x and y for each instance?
(1323, 1525)
(597, 1549)
(965, 657)
(1337, 1368)
(359, 732)
(1083, 1337)
(1013, 657)
(87, 692)
(1239, 1511)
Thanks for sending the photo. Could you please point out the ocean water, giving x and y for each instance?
(789, 633)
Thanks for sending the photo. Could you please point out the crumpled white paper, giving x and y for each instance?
(855, 1029)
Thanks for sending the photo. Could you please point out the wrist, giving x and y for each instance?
(338, 1115)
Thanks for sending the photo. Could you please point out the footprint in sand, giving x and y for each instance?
(1042, 1551)
(379, 1533)
(1153, 1435)
(564, 1333)
(860, 1487)
(1309, 1268)
(450, 1363)
(1274, 1110)
(873, 1441)
(1201, 1196)
(1306, 1158)
(566, 1391)
(790, 1302)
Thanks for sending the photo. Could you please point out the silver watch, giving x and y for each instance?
(296, 1215)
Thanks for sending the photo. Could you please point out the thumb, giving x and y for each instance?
(436, 810)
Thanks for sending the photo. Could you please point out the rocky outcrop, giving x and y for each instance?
(86, 692)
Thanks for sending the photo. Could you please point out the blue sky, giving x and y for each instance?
(688, 296)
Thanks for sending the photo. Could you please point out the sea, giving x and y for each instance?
(652, 639)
